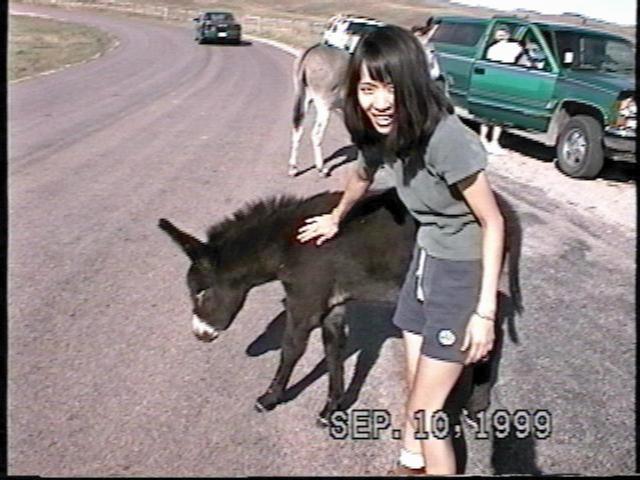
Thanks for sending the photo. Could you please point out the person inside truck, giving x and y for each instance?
(532, 55)
(503, 49)
(398, 118)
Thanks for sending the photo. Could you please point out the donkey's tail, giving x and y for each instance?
(299, 87)
(298, 107)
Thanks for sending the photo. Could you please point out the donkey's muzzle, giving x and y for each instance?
(202, 330)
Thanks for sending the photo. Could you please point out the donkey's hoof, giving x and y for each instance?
(266, 402)
(262, 408)
(259, 407)
(324, 417)
(322, 422)
(293, 171)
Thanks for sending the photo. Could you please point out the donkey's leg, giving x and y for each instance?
(296, 135)
(294, 343)
(334, 340)
(322, 120)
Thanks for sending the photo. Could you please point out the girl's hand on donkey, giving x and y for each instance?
(323, 227)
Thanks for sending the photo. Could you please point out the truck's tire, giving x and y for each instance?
(579, 148)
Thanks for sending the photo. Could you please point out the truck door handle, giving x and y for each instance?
(478, 70)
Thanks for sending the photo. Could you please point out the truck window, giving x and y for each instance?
(466, 34)
(548, 38)
(596, 52)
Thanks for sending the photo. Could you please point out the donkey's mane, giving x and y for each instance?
(257, 220)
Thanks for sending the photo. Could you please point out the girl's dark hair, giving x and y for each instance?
(393, 55)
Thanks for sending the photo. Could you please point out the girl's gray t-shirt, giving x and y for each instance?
(448, 228)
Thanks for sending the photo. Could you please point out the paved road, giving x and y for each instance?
(105, 377)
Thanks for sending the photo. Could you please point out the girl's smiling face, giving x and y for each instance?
(377, 100)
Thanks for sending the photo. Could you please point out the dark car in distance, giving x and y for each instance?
(217, 27)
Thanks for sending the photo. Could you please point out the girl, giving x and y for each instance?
(397, 117)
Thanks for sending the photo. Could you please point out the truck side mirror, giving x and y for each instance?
(567, 58)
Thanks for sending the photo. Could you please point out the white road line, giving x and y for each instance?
(274, 43)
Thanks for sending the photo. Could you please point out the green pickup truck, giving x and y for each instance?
(566, 86)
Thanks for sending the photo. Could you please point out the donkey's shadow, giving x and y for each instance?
(369, 326)
(348, 153)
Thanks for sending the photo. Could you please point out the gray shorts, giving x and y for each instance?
(450, 289)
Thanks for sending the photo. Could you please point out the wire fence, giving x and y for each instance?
(250, 23)
(295, 31)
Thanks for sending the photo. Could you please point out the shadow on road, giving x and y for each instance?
(243, 43)
(369, 326)
(512, 455)
(620, 172)
(527, 147)
(349, 152)
(613, 171)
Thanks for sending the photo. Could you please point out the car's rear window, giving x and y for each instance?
(358, 27)
(219, 17)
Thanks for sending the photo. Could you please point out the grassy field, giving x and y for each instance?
(38, 45)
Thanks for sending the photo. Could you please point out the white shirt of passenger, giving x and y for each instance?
(504, 51)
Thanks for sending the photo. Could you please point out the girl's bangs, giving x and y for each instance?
(377, 65)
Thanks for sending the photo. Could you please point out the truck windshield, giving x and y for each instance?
(594, 52)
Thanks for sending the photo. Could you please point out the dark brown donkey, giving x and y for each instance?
(366, 261)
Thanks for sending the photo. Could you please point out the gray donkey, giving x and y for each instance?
(318, 77)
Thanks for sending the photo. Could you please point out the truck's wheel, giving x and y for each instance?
(579, 148)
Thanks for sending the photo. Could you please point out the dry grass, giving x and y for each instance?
(38, 45)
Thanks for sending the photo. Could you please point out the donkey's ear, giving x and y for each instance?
(193, 247)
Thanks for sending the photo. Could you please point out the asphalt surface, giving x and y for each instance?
(105, 376)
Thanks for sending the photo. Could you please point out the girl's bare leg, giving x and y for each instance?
(432, 384)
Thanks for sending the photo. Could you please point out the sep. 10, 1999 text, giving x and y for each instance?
(367, 424)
